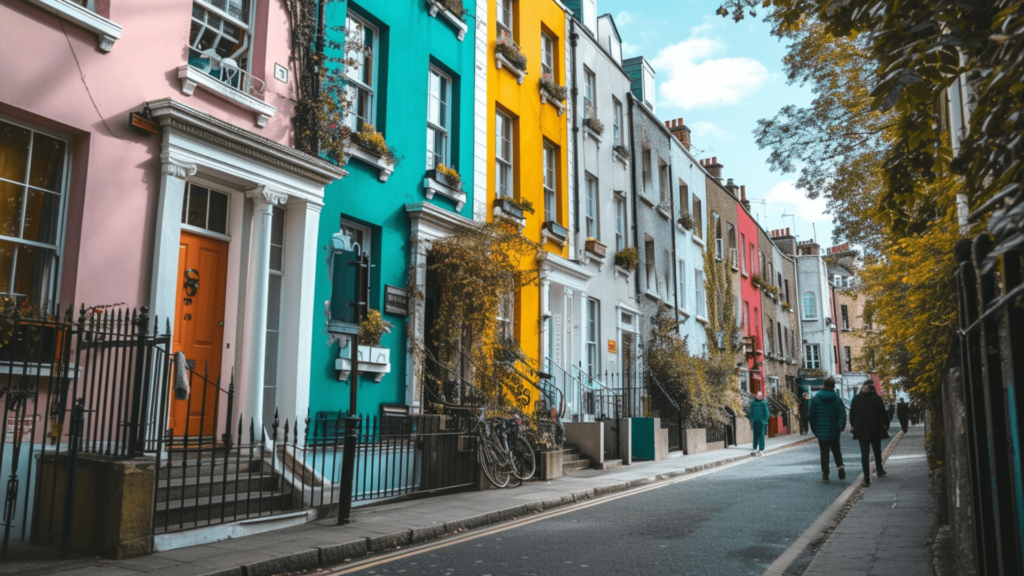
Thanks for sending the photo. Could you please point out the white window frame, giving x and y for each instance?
(593, 337)
(698, 216)
(620, 224)
(616, 122)
(591, 225)
(356, 85)
(505, 17)
(504, 136)
(547, 55)
(743, 254)
(814, 305)
(650, 266)
(812, 356)
(444, 99)
(550, 162)
(205, 230)
(701, 305)
(681, 275)
(589, 91)
(647, 164)
(273, 379)
(663, 183)
(246, 28)
(58, 246)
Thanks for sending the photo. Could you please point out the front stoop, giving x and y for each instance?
(572, 461)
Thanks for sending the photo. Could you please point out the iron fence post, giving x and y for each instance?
(74, 439)
(348, 468)
(135, 415)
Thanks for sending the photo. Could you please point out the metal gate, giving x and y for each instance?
(991, 338)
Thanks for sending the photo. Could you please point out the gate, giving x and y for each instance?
(991, 338)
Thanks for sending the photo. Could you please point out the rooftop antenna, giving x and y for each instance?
(762, 203)
(792, 219)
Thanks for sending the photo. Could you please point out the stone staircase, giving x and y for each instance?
(202, 487)
(572, 460)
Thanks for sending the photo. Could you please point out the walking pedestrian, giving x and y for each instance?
(758, 415)
(827, 417)
(903, 414)
(890, 410)
(870, 424)
(803, 413)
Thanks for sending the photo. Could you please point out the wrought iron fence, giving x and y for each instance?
(991, 336)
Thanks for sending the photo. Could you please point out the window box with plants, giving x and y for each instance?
(596, 248)
(453, 11)
(372, 357)
(553, 93)
(513, 209)
(685, 220)
(626, 261)
(509, 56)
(622, 155)
(555, 231)
(665, 209)
(593, 128)
(758, 281)
(787, 307)
(369, 146)
(447, 182)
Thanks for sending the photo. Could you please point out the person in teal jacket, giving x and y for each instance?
(758, 415)
(827, 417)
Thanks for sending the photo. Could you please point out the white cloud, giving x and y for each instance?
(623, 18)
(785, 196)
(691, 76)
(702, 128)
(630, 50)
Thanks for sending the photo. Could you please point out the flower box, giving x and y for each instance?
(371, 360)
(435, 7)
(546, 98)
(510, 208)
(436, 182)
(555, 231)
(502, 62)
(596, 248)
(385, 170)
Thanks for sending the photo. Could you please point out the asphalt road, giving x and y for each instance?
(733, 521)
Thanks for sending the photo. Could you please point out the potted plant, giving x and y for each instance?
(450, 177)
(373, 142)
(595, 247)
(372, 357)
(594, 125)
(552, 89)
(622, 151)
(507, 50)
(685, 220)
(627, 259)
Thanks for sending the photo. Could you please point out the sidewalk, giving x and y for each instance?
(381, 528)
(885, 533)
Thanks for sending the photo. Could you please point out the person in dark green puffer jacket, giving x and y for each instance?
(827, 416)
(758, 415)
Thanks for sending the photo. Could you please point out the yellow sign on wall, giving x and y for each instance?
(611, 346)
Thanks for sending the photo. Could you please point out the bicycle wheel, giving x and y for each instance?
(524, 461)
(490, 462)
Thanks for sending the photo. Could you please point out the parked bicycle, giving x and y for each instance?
(504, 454)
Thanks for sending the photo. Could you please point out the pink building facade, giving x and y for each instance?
(99, 213)
(750, 297)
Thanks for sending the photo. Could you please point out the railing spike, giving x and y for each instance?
(285, 433)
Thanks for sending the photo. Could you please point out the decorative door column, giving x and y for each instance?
(250, 384)
(167, 239)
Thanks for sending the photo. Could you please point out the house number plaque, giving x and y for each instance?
(396, 300)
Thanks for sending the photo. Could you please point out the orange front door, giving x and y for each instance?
(199, 331)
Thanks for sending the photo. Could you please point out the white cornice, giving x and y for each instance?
(171, 113)
(106, 31)
(426, 215)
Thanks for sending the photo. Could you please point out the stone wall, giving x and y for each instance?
(695, 440)
(744, 434)
(951, 483)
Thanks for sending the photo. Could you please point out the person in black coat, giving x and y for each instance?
(903, 414)
(870, 425)
(804, 402)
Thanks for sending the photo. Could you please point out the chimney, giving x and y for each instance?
(715, 169)
(743, 198)
(680, 131)
(732, 188)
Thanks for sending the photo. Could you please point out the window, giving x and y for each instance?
(663, 185)
(786, 283)
(746, 317)
(342, 287)
(33, 177)
(733, 253)
(812, 358)
(271, 350)
(438, 119)
(589, 93)
(616, 122)
(550, 184)
(505, 22)
(751, 259)
(506, 316)
(590, 209)
(220, 39)
(810, 306)
(620, 224)
(846, 317)
(547, 55)
(782, 342)
(681, 275)
(736, 311)
(666, 285)
(593, 337)
(648, 184)
(684, 197)
(701, 304)
(360, 74)
(698, 218)
(206, 209)
(743, 254)
(786, 345)
(503, 185)
(849, 358)
(649, 266)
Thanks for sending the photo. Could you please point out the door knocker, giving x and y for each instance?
(191, 282)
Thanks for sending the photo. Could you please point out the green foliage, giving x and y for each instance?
(454, 6)
(508, 48)
(373, 329)
(553, 89)
(523, 204)
(627, 259)
(454, 178)
(594, 125)
(373, 142)
(622, 151)
(685, 219)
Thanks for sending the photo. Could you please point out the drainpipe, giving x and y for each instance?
(632, 189)
(675, 257)
(573, 37)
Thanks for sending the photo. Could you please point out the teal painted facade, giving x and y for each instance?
(409, 42)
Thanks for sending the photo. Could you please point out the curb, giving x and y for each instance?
(824, 523)
(334, 554)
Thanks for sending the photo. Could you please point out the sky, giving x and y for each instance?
(721, 78)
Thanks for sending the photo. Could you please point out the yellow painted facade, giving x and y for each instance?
(536, 123)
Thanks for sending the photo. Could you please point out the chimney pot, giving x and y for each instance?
(714, 159)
